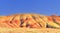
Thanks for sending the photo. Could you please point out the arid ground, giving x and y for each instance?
(28, 30)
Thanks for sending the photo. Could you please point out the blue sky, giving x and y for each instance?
(45, 7)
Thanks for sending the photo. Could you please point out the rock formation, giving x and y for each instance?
(29, 21)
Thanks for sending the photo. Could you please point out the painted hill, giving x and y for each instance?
(29, 21)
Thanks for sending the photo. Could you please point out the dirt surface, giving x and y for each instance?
(28, 30)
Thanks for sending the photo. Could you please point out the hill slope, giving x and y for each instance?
(18, 22)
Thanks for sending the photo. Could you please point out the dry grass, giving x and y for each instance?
(28, 30)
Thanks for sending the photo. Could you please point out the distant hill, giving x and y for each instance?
(29, 21)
